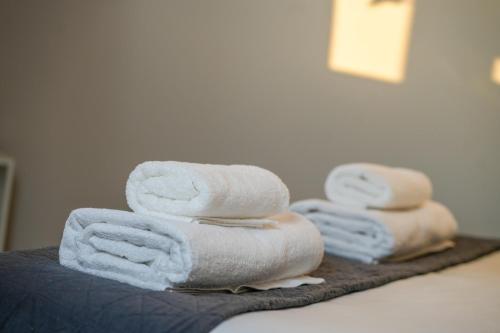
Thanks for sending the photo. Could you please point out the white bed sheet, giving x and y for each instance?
(464, 298)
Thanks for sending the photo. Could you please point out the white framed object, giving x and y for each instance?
(6, 182)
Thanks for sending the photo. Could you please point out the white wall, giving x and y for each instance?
(91, 88)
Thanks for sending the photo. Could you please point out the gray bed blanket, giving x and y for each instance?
(39, 295)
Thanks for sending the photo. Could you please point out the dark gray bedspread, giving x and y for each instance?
(39, 295)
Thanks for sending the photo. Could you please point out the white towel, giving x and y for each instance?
(190, 189)
(376, 186)
(371, 235)
(156, 253)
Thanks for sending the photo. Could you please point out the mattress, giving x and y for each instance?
(464, 298)
(38, 294)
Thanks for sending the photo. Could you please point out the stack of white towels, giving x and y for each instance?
(196, 226)
(377, 213)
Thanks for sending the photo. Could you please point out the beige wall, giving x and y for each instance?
(88, 89)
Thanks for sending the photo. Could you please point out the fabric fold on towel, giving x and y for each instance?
(223, 222)
(376, 186)
(369, 235)
(164, 188)
(157, 253)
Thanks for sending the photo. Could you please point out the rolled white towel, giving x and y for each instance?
(377, 186)
(156, 253)
(371, 235)
(190, 189)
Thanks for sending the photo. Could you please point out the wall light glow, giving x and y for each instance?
(495, 71)
(370, 38)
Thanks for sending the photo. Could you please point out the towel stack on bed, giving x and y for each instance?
(378, 213)
(196, 226)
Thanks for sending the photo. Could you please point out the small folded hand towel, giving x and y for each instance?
(233, 192)
(158, 253)
(369, 235)
(377, 186)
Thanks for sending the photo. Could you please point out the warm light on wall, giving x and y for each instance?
(495, 71)
(370, 38)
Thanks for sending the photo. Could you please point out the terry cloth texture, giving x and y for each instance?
(158, 253)
(164, 188)
(370, 235)
(377, 186)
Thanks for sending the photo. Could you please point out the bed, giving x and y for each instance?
(457, 290)
(464, 298)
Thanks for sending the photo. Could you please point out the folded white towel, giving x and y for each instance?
(371, 235)
(190, 189)
(156, 253)
(377, 186)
